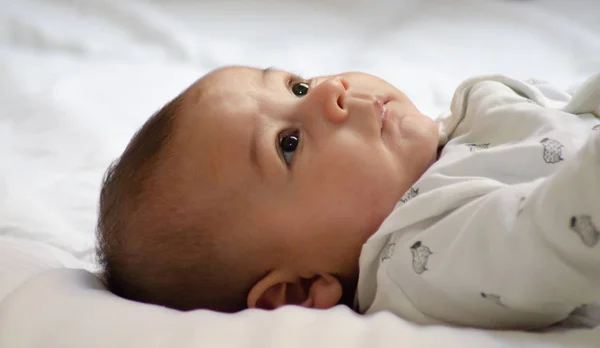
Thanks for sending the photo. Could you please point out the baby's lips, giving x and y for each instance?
(382, 115)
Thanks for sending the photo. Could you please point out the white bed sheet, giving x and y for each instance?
(77, 77)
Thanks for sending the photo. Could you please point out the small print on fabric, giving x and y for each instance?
(552, 150)
(477, 147)
(387, 252)
(410, 194)
(420, 257)
(584, 227)
(493, 298)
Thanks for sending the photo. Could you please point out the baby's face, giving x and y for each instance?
(309, 168)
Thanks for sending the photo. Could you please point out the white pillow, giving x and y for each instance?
(71, 308)
(21, 259)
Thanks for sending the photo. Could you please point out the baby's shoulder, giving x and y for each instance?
(505, 110)
(504, 90)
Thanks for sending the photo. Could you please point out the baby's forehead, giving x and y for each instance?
(214, 123)
(228, 78)
(224, 92)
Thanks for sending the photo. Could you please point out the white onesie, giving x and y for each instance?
(503, 230)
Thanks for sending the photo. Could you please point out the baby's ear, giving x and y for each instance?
(279, 288)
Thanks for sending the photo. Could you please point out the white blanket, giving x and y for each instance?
(78, 77)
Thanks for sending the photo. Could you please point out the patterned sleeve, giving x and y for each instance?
(523, 256)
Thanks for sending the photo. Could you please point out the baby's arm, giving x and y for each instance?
(529, 252)
(561, 215)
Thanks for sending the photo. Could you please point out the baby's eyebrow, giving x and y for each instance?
(253, 149)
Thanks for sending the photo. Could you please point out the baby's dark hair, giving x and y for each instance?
(151, 248)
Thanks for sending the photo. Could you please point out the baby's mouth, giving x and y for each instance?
(382, 115)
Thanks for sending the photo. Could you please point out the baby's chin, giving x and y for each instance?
(422, 139)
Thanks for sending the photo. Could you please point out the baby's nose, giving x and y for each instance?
(331, 94)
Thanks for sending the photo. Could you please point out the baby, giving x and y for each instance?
(258, 189)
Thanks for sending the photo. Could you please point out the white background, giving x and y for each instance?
(78, 77)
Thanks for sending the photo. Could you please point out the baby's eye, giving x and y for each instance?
(288, 143)
(300, 89)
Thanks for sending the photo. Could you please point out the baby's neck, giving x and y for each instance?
(439, 152)
(348, 292)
